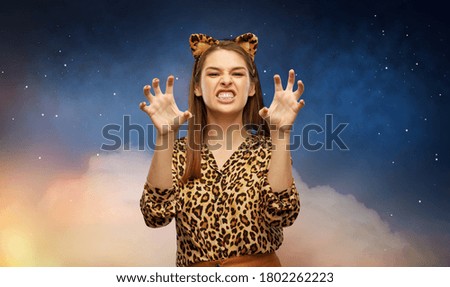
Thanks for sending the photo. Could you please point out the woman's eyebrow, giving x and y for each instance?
(219, 69)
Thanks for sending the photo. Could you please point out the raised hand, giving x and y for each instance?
(163, 110)
(285, 105)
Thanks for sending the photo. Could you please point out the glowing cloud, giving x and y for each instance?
(95, 220)
(336, 230)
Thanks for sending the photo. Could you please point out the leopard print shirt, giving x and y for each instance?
(227, 212)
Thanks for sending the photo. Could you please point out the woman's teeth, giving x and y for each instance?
(225, 95)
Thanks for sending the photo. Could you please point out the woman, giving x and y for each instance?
(230, 185)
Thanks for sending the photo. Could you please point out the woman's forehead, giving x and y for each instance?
(224, 59)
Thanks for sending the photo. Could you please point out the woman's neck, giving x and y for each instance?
(225, 131)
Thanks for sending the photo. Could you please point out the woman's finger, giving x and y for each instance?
(264, 112)
(156, 88)
(186, 115)
(178, 121)
(169, 85)
(300, 90)
(147, 93)
(291, 79)
(299, 106)
(277, 83)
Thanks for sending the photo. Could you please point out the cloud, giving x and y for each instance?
(336, 230)
(94, 220)
(90, 220)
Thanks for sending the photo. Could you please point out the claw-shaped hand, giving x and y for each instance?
(285, 105)
(163, 110)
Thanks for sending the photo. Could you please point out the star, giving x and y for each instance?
(420, 201)
(42, 115)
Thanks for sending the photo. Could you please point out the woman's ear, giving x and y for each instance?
(197, 91)
(252, 90)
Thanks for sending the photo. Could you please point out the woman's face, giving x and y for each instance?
(225, 83)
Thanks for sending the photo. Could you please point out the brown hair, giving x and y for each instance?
(251, 118)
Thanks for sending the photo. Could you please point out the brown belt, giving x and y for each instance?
(257, 260)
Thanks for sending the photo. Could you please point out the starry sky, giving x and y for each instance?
(68, 69)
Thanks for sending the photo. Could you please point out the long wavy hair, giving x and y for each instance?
(196, 125)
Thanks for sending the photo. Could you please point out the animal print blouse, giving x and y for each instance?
(228, 212)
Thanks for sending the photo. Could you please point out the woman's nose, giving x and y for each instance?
(225, 80)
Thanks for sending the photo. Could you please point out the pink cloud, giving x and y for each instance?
(94, 220)
(336, 230)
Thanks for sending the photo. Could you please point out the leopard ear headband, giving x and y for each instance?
(200, 43)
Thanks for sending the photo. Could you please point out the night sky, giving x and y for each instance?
(70, 68)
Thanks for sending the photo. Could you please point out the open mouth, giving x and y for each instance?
(225, 95)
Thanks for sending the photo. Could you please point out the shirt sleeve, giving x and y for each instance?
(279, 208)
(158, 206)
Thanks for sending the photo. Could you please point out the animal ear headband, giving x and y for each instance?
(200, 43)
